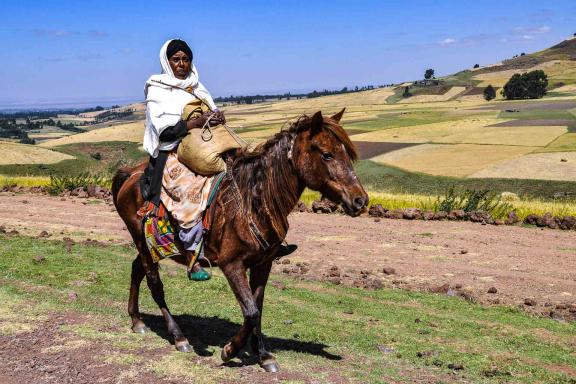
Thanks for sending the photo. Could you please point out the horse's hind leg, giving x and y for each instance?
(136, 278)
(157, 289)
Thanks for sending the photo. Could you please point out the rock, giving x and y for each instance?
(457, 214)
(455, 367)
(440, 215)
(563, 160)
(324, 206)
(467, 295)
(376, 210)
(72, 296)
(568, 222)
(463, 251)
(388, 271)
(531, 219)
(373, 284)
(335, 280)
(441, 289)
(377, 220)
(288, 322)
(547, 221)
(384, 349)
(412, 214)
(492, 290)
(44, 235)
(479, 217)
(278, 285)
(38, 259)
(498, 222)
(427, 354)
(284, 261)
(428, 215)
(512, 218)
(302, 207)
(333, 272)
(530, 302)
(2, 229)
(395, 214)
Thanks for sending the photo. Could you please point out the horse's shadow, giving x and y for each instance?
(205, 332)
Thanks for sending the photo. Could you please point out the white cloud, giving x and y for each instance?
(528, 37)
(448, 41)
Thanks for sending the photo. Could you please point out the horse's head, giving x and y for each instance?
(323, 154)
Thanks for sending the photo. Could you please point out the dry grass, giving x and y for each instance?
(450, 160)
(555, 69)
(454, 91)
(126, 132)
(544, 166)
(564, 143)
(14, 153)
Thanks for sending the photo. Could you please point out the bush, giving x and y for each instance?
(406, 92)
(529, 85)
(473, 200)
(59, 184)
(489, 93)
(476, 65)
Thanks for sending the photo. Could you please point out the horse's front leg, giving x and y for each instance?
(258, 279)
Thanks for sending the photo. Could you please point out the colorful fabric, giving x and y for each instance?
(184, 193)
(159, 234)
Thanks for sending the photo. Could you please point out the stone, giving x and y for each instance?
(395, 214)
(568, 222)
(376, 210)
(428, 215)
(412, 214)
(531, 219)
(512, 218)
(530, 302)
(492, 290)
(440, 215)
(457, 214)
(324, 206)
(389, 271)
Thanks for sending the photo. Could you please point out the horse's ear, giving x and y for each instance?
(316, 123)
(338, 116)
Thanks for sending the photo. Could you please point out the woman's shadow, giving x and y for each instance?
(205, 332)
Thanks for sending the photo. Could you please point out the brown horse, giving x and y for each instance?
(251, 219)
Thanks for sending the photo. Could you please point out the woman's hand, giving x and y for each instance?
(215, 118)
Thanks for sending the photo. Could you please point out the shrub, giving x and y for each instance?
(59, 184)
(476, 65)
(489, 93)
(473, 200)
(429, 74)
(406, 92)
(529, 85)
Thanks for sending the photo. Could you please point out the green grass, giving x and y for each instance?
(406, 119)
(114, 155)
(462, 79)
(537, 114)
(384, 178)
(326, 322)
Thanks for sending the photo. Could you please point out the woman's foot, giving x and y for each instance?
(198, 273)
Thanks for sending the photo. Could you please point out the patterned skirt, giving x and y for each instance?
(184, 193)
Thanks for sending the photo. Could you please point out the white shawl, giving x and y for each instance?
(166, 96)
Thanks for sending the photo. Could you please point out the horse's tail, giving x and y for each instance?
(118, 180)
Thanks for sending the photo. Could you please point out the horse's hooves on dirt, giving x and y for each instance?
(227, 353)
(184, 346)
(270, 366)
(141, 329)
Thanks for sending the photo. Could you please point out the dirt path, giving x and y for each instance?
(459, 258)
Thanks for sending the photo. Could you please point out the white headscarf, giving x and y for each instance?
(166, 96)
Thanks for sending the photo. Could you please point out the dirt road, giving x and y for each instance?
(530, 267)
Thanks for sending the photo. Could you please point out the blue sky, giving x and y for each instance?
(98, 51)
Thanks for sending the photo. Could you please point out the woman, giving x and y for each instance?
(183, 193)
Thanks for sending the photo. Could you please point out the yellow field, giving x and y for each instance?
(14, 153)
(24, 181)
(555, 69)
(566, 142)
(450, 160)
(126, 132)
(544, 166)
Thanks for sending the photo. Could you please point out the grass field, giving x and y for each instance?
(316, 330)
(14, 153)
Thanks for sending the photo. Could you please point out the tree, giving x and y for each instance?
(529, 85)
(429, 74)
(476, 65)
(489, 92)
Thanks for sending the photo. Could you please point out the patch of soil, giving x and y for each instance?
(521, 263)
(369, 149)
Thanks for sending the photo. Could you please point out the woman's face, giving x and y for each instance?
(180, 64)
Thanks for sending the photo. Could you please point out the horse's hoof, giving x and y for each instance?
(270, 366)
(184, 346)
(140, 329)
(227, 353)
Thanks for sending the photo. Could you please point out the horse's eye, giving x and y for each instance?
(327, 156)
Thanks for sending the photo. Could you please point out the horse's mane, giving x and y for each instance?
(262, 171)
